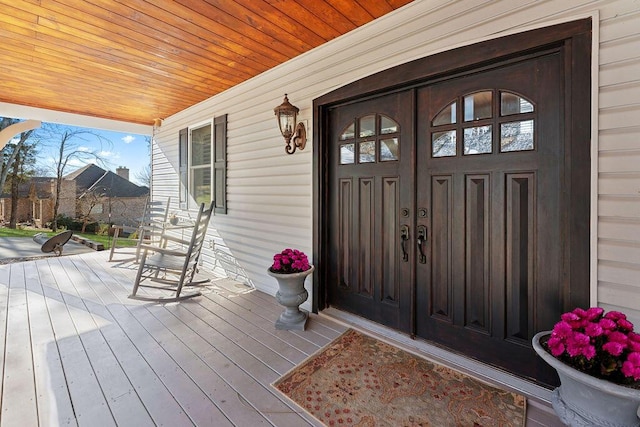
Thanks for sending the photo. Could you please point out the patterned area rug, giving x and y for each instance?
(358, 380)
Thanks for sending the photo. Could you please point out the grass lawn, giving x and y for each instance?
(30, 232)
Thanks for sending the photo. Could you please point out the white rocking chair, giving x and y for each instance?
(150, 227)
(182, 262)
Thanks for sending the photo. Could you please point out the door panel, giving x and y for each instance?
(495, 270)
(371, 169)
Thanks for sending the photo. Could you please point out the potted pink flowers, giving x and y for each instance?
(290, 268)
(597, 357)
(290, 261)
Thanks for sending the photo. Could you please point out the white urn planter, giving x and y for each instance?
(583, 400)
(291, 293)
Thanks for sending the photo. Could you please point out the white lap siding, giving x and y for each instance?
(269, 193)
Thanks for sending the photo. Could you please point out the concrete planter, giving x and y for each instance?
(583, 400)
(291, 293)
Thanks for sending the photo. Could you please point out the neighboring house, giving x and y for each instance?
(539, 219)
(36, 199)
(108, 197)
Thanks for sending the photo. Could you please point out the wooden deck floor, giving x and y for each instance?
(77, 351)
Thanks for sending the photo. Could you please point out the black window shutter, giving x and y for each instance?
(183, 151)
(220, 163)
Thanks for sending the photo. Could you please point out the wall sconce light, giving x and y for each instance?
(287, 116)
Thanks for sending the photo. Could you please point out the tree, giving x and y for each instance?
(20, 171)
(69, 149)
(144, 176)
(86, 204)
(10, 151)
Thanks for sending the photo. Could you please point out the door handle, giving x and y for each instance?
(404, 236)
(422, 241)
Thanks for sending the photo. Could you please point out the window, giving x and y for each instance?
(516, 123)
(202, 164)
(377, 140)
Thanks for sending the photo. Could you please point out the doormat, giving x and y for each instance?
(358, 380)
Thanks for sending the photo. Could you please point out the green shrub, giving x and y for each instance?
(103, 230)
(64, 221)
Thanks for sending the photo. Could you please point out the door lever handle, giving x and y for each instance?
(404, 236)
(422, 241)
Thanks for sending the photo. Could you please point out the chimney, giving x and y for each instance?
(123, 172)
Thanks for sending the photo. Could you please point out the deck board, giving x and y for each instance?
(123, 402)
(71, 325)
(4, 311)
(54, 403)
(19, 402)
(78, 351)
(75, 350)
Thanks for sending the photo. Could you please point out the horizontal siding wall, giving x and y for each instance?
(269, 192)
(619, 161)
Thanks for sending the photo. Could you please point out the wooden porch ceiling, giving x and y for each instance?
(136, 60)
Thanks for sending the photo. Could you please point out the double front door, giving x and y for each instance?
(446, 210)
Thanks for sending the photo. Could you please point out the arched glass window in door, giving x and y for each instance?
(472, 133)
(372, 138)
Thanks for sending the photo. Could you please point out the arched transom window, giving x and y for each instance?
(488, 121)
(370, 139)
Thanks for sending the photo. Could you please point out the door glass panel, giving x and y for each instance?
(443, 144)
(510, 103)
(367, 126)
(388, 149)
(348, 133)
(477, 106)
(477, 140)
(388, 125)
(446, 117)
(346, 154)
(367, 152)
(516, 136)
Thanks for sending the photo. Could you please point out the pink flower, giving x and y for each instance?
(562, 329)
(618, 337)
(578, 344)
(607, 324)
(615, 315)
(589, 352)
(556, 346)
(593, 330)
(613, 348)
(572, 319)
(625, 325)
(594, 313)
(600, 344)
(631, 367)
(290, 261)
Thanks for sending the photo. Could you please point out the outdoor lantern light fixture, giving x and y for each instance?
(287, 116)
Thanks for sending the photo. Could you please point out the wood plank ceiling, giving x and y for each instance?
(136, 60)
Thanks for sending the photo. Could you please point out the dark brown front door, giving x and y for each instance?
(490, 155)
(372, 204)
(455, 195)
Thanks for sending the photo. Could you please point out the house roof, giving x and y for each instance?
(92, 178)
(42, 187)
(136, 61)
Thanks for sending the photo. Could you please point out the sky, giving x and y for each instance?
(117, 149)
